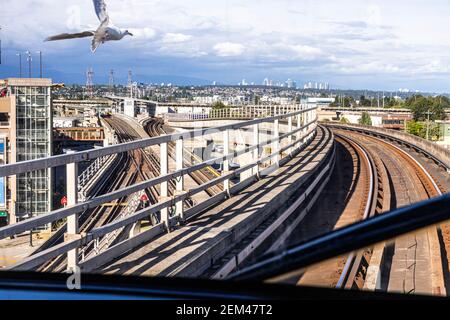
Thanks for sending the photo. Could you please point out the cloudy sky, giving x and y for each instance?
(374, 44)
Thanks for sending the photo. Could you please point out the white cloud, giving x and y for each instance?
(176, 38)
(348, 37)
(228, 49)
(374, 15)
(143, 33)
(306, 52)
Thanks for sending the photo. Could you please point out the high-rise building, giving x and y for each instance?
(26, 134)
(291, 84)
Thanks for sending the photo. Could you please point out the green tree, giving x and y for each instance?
(219, 105)
(365, 119)
(363, 102)
(415, 128)
(424, 108)
(420, 129)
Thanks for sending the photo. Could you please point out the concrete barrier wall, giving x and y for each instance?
(437, 151)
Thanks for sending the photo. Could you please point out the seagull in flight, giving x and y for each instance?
(105, 32)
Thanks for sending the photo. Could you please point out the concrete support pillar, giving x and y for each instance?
(72, 221)
(276, 144)
(226, 163)
(164, 185)
(256, 151)
(180, 180)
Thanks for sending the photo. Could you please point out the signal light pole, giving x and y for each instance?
(29, 59)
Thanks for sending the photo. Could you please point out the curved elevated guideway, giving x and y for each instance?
(298, 157)
(415, 263)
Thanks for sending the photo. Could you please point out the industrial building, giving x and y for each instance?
(25, 134)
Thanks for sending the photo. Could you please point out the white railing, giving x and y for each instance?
(90, 171)
(304, 130)
(96, 167)
(245, 112)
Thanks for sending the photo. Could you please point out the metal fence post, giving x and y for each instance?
(256, 151)
(304, 122)
(299, 133)
(226, 163)
(290, 150)
(164, 185)
(72, 221)
(180, 180)
(276, 144)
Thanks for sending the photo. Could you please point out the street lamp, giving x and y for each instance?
(20, 64)
(40, 63)
(29, 59)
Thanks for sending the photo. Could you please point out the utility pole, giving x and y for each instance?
(40, 63)
(20, 64)
(29, 59)
(111, 81)
(130, 83)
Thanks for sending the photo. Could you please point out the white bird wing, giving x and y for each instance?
(99, 35)
(100, 10)
(64, 36)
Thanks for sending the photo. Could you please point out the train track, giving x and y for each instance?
(98, 216)
(361, 199)
(155, 127)
(391, 178)
(355, 268)
(411, 264)
(132, 167)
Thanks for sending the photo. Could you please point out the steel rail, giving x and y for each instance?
(350, 265)
(59, 214)
(369, 209)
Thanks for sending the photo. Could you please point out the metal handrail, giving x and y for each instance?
(90, 171)
(59, 214)
(246, 112)
(103, 244)
(60, 160)
(307, 130)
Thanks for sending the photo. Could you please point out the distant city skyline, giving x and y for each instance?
(351, 45)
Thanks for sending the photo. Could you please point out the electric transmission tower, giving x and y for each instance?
(111, 81)
(89, 83)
